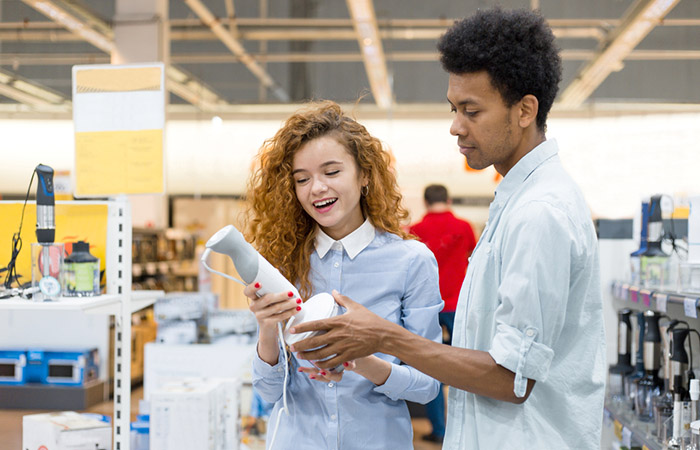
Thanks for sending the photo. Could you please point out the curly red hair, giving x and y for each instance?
(276, 223)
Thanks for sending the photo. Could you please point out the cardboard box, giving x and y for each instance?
(195, 413)
(65, 431)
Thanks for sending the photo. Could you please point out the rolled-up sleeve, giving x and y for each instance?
(268, 380)
(533, 291)
(420, 307)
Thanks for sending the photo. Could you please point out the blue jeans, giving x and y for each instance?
(435, 409)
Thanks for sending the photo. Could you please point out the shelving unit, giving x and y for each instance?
(119, 301)
(627, 428)
(631, 431)
(656, 299)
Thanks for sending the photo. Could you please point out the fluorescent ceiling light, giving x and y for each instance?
(236, 47)
(636, 24)
(365, 23)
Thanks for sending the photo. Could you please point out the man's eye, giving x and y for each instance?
(471, 113)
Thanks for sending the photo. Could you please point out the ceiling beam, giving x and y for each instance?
(364, 21)
(98, 33)
(236, 48)
(30, 93)
(637, 22)
(69, 59)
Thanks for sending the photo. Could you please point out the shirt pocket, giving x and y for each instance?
(483, 292)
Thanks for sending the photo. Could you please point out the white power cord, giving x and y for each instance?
(284, 408)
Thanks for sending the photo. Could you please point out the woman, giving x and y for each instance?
(325, 209)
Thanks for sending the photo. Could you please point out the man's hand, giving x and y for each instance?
(353, 335)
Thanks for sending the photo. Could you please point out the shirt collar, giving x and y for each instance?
(353, 243)
(523, 168)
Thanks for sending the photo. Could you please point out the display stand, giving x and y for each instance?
(119, 301)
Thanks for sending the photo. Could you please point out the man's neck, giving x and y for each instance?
(438, 207)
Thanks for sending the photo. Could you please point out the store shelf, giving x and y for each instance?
(656, 299)
(628, 428)
(103, 304)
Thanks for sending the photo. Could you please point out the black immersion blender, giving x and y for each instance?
(663, 403)
(655, 228)
(619, 371)
(679, 367)
(632, 379)
(650, 384)
(46, 227)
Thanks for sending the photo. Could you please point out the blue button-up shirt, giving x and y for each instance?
(532, 299)
(396, 279)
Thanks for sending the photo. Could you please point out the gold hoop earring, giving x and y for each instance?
(364, 190)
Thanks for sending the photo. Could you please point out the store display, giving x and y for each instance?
(649, 385)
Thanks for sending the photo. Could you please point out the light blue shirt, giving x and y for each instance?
(532, 299)
(396, 279)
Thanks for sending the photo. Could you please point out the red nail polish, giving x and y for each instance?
(312, 377)
(257, 285)
(298, 308)
(298, 301)
(346, 364)
(323, 373)
(290, 294)
(300, 370)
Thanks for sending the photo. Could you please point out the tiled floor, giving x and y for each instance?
(11, 426)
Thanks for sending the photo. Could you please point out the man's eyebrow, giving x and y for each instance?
(466, 101)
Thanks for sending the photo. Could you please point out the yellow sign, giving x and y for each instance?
(118, 80)
(74, 222)
(129, 162)
(119, 117)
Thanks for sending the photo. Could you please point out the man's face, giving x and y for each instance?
(486, 129)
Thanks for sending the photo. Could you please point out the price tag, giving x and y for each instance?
(661, 300)
(626, 437)
(625, 291)
(690, 306)
(617, 427)
(634, 295)
(646, 297)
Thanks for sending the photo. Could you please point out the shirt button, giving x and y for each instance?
(336, 264)
(332, 416)
(279, 369)
(530, 333)
(330, 384)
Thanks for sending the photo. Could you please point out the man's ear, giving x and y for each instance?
(529, 105)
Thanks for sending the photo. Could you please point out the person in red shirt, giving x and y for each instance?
(452, 241)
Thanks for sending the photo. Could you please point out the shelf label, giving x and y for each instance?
(690, 305)
(618, 429)
(634, 295)
(646, 297)
(626, 437)
(625, 291)
(661, 300)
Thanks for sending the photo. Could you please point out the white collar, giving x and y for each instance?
(353, 243)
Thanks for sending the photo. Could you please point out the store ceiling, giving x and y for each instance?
(619, 55)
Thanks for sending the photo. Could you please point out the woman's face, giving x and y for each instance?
(328, 184)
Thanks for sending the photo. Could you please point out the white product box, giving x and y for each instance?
(184, 306)
(195, 413)
(177, 332)
(65, 431)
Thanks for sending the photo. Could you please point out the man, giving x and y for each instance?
(452, 241)
(527, 357)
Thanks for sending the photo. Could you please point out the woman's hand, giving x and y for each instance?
(269, 310)
(326, 375)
